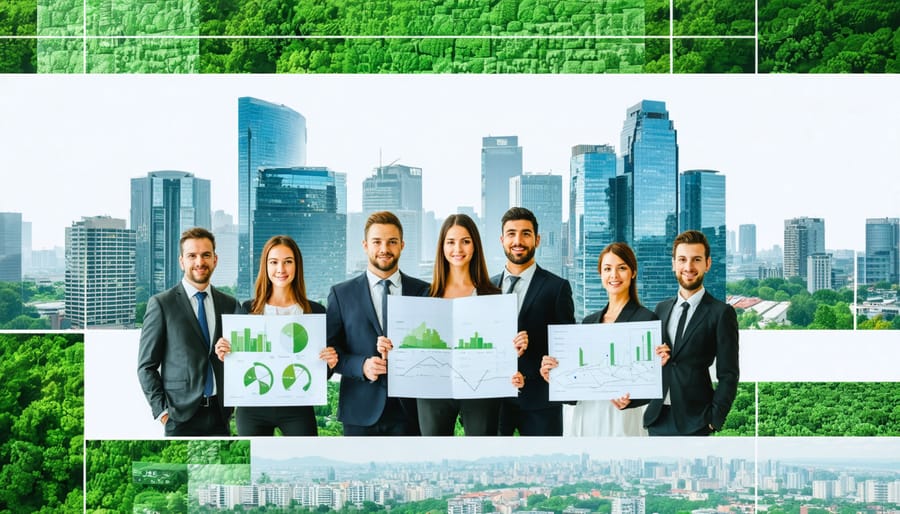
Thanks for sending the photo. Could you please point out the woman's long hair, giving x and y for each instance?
(478, 271)
(624, 252)
(263, 288)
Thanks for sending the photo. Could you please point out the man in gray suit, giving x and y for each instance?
(179, 373)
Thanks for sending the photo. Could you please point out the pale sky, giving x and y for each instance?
(789, 145)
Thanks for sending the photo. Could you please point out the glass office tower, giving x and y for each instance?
(501, 160)
(398, 188)
(647, 214)
(163, 205)
(305, 203)
(591, 168)
(10, 247)
(802, 237)
(542, 195)
(703, 209)
(269, 135)
(882, 250)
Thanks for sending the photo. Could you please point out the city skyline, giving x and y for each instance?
(166, 123)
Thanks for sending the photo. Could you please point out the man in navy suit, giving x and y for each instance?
(179, 373)
(355, 328)
(543, 299)
(699, 329)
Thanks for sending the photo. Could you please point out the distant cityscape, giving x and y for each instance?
(110, 267)
(571, 483)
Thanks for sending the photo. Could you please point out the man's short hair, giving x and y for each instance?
(519, 213)
(691, 237)
(196, 233)
(383, 218)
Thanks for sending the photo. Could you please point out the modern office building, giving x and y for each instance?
(628, 505)
(269, 136)
(100, 274)
(802, 237)
(882, 250)
(747, 242)
(501, 160)
(10, 246)
(542, 195)
(398, 188)
(818, 272)
(592, 168)
(304, 203)
(163, 205)
(646, 196)
(226, 232)
(703, 209)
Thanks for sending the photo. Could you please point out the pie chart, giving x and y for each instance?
(261, 375)
(294, 337)
(294, 372)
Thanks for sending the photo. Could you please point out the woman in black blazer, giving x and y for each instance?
(617, 266)
(281, 290)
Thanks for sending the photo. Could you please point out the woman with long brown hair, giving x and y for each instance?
(460, 270)
(280, 289)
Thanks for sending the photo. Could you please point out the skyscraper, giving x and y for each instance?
(501, 160)
(542, 195)
(100, 274)
(269, 135)
(818, 276)
(646, 196)
(10, 246)
(304, 202)
(703, 209)
(802, 237)
(163, 205)
(747, 234)
(882, 250)
(225, 230)
(398, 188)
(591, 168)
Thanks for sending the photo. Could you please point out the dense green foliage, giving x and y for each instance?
(110, 465)
(741, 420)
(714, 18)
(829, 36)
(15, 314)
(829, 409)
(715, 56)
(18, 18)
(41, 422)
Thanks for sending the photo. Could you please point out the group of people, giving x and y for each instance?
(181, 354)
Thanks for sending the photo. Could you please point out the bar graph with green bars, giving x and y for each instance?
(245, 341)
(612, 354)
(644, 352)
(476, 342)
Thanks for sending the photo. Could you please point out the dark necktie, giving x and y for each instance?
(204, 328)
(386, 290)
(512, 283)
(679, 331)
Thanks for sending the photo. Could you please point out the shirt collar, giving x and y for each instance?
(695, 298)
(374, 279)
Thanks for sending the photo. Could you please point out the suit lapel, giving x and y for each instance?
(664, 313)
(534, 290)
(627, 312)
(366, 295)
(696, 321)
(185, 304)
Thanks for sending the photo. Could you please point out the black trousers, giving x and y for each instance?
(530, 422)
(479, 417)
(207, 421)
(394, 421)
(261, 421)
(665, 425)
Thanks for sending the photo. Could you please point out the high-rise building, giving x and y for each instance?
(304, 203)
(100, 274)
(225, 230)
(818, 272)
(163, 205)
(398, 188)
(356, 233)
(592, 170)
(882, 250)
(269, 135)
(501, 160)
(26, 248)
(747, 235)
(802, 237)
(646, 196)
(630, 505)
(542, 195)
(703, 209)
(10, 246)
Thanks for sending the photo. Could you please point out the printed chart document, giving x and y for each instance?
(274, 360)
(602, 361)
(459, 348)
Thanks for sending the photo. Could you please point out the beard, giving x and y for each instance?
(525, 257)
(391, 264)
(690, 286)
(200, 276)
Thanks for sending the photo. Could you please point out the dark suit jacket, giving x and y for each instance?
(548, 301)
(353, 330)
(633, 311)
(173, 357)
(712, 334)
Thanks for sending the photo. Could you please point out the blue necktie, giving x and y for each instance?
(386, 284)
(512, 283)
(204, 328)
